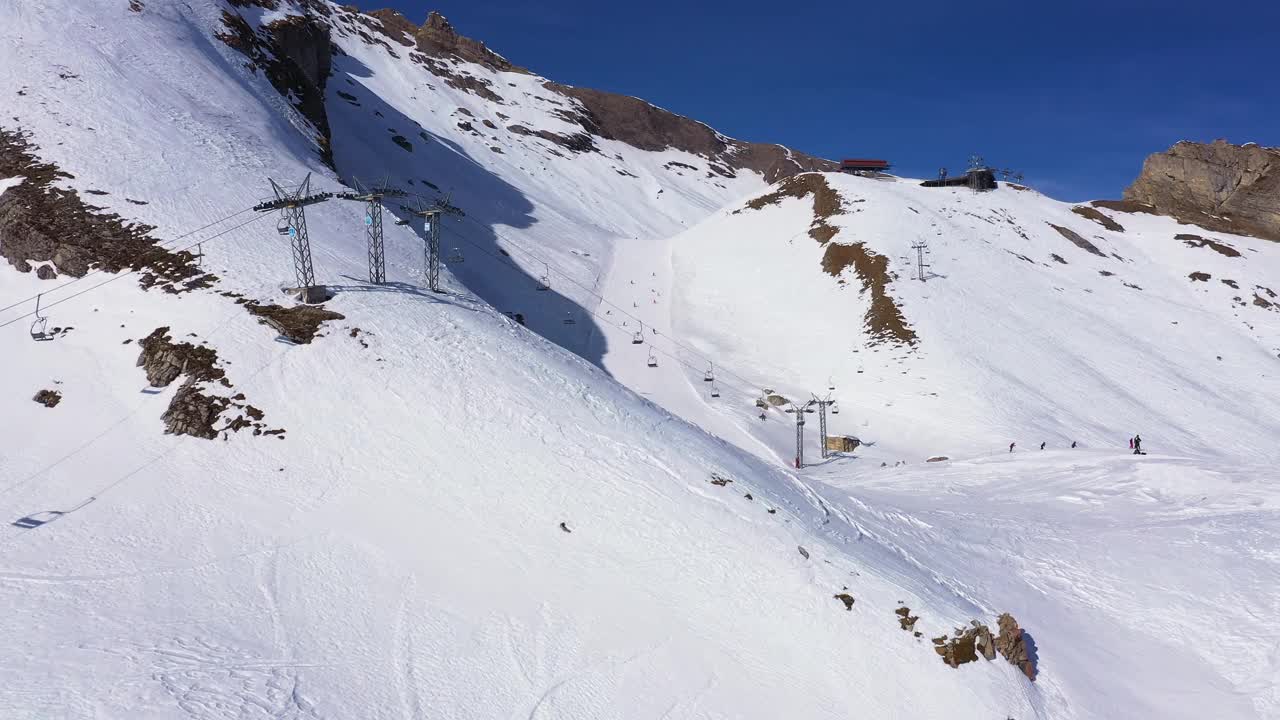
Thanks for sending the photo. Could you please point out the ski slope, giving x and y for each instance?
(399, 551)
(1013, 344)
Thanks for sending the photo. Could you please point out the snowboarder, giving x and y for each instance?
(1041, 446)
(1011, 446)
(1137, 445)
(762, 415)
(1073, 444)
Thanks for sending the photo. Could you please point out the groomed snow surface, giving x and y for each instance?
(400, 554)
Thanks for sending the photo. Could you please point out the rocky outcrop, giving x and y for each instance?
(48, 398)
(648, 127)
(41, 222)
(296, 55)
(298, 324)
(1219, 186)
(437, 37)
(1012, 645)
(600, 114)
(192, 411)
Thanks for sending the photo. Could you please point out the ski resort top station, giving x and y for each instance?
(863, 166)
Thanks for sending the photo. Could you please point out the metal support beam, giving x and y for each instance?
(432, 219)
(799, 411)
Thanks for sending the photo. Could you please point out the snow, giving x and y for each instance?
(399, 553)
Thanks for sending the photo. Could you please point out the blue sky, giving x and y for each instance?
(1074, 95)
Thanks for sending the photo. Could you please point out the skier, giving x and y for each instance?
(1073, 444)
(1041, 446)
(1137, 445)
(1130, 443)
(1011, 446)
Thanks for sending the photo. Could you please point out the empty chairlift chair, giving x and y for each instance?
(544, 282)
(568, 319)
(653, 359)
(39, 328)
(284, 228)
(709, 375)
(638, 337)
(456, 256)
(715, 392)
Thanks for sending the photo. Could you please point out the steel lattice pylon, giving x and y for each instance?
(372, 198)
(373, 229)
(292, 206)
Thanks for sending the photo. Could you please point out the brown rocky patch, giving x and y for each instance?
(1078, 241)
(906, 620)
(40, 222)
(1093, 214)
(298, 324)
(193, 411)
(647, 127)
(845, 598)
(48, 398)
(1214, 245)
(1057, 258)
(1199, 277)
(884, 320)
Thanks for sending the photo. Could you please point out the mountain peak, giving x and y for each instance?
(437, 36)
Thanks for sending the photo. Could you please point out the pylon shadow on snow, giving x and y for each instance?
(372, 139)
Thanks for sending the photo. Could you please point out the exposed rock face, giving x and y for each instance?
(645, 126)
(296, 55)
(1012, 645)
(437, 37)
(1220, 186)
(600, 114)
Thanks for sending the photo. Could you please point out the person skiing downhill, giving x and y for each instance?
(1041, 446)
(1011, 446)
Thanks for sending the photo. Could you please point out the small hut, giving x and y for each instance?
(842, 443)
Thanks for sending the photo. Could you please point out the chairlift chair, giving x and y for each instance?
(831, 384)
(39, 328)
(715, 392)
(638, 337)
(456, 256)
(544, 282)
(568, 319)
(283, 227)
(653, 359)
(709, 375)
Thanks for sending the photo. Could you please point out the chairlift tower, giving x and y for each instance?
(822, 404)
(921, 247)
(431, 217)
(292, 205)
(372, 198)
(799, 411)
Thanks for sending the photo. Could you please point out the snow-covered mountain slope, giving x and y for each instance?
(429, 511)
(459, 518)
(1035, 324)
